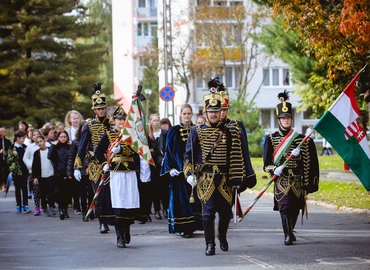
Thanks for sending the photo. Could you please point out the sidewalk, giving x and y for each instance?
(341, 176)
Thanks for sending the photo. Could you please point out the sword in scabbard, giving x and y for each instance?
(191, 199)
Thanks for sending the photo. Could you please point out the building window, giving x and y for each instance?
(147, 29)
(203, 2)
(286, 76)
(220, 3)
(199, 81)
(139, 32)
(266, 77)
(142, 3)
(308, 114)
(266, 118)
(153, 29)
(275, 77)
(237, 76)
(229, 77)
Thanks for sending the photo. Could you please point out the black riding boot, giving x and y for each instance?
(209, 233)
(126, 234)
(104, 228)
(294, 221)
(61, 213)
(66, 213)
(288, 229)
(120, 237)
(223, 225)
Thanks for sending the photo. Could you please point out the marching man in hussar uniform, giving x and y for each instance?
(301, 174)
(210, 166)
(92, 132)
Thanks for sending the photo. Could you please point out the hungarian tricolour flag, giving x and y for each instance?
(135, 130)
(341, 127)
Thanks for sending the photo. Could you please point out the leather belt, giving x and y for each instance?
(122, 159)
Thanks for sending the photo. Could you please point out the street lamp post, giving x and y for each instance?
(147, 92)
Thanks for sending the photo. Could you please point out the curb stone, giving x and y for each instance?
(324, 205)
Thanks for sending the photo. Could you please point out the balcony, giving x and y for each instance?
(217, 13)
(231, 54)
(146, 14)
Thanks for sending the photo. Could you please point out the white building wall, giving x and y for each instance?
(127, 72)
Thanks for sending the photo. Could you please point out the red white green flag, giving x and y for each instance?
(135, 130)
(341, 127)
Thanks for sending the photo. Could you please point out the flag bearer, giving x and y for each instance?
(301, 174)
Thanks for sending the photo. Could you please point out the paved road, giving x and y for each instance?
(328, 240)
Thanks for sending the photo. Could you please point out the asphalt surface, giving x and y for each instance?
(328, 239)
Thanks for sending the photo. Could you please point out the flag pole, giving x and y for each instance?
(273, 178)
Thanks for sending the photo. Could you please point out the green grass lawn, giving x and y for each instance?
(330, 191)
(334, 162)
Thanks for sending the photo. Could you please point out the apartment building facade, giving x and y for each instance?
(136, 23)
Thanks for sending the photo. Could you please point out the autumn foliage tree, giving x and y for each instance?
(224, 36)
(337, 34)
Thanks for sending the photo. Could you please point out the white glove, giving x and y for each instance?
(116, 149)
(174, 172)
(278, 171)
(106, 167)
(296, 152)
(77, 175)
(191, 180)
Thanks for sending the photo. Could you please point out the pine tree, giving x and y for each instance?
(48, 60)
(101, 13)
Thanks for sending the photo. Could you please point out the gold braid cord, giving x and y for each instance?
(187, 168)
(78, 163)
(209, 138)
(97, 131)
(94, 171)
(236, 158)
(291, 180)
(206, 187)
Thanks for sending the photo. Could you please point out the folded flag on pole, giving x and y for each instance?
(134, 132)
(341, 127)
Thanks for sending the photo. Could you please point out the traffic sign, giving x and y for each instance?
(167, 93)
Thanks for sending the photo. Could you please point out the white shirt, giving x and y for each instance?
(157, 134)
(73, 133)
(144, 171)
(28, 155)
(47, 169)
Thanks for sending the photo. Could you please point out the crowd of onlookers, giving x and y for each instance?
(40, 162)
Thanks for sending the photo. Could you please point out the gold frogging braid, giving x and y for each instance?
(94, 170)
(96, 131)
(187, 168)
(78, 162)
(184, 132)
(237, 165)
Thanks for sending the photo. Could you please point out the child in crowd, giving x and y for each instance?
(58, 154)
(20, 171)
(27, 159)
(42, 174)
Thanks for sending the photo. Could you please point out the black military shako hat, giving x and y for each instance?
(284, 108)
(212, 101)
(119, 113)
(98, 99)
